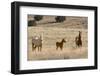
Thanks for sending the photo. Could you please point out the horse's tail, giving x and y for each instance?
(56, 43)
(76, 39)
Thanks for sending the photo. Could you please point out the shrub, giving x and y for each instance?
(60, 18)
(32, 23)
(38, 17)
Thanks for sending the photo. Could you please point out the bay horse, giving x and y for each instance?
(60, 44)
(78, 40)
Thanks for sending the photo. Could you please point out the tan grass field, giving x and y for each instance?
(54, 33)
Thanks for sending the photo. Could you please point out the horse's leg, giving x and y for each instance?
(77, 44)
(35, 47)
(61, 48)
(56, 47)
(32, 47)
(81, 43)
(38, 48)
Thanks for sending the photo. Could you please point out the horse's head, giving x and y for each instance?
(63, 40)
(80, 32)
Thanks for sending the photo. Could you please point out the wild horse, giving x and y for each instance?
(78, 40)
(60, 44)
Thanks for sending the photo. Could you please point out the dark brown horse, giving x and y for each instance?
(78, 40)
(60, 44)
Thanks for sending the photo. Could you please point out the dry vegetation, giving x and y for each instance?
(53, 32)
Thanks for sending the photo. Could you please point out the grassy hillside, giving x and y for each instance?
(53, 32)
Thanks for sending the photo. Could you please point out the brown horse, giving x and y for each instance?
(78, 40)
(60, 44)
(36, 43)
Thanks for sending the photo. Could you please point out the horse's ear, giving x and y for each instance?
(80, 32)
(64, 38)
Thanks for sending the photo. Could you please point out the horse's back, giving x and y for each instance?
(57, 43)
(37, 42)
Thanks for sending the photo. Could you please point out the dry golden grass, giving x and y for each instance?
(50, 36)
(53, 32)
